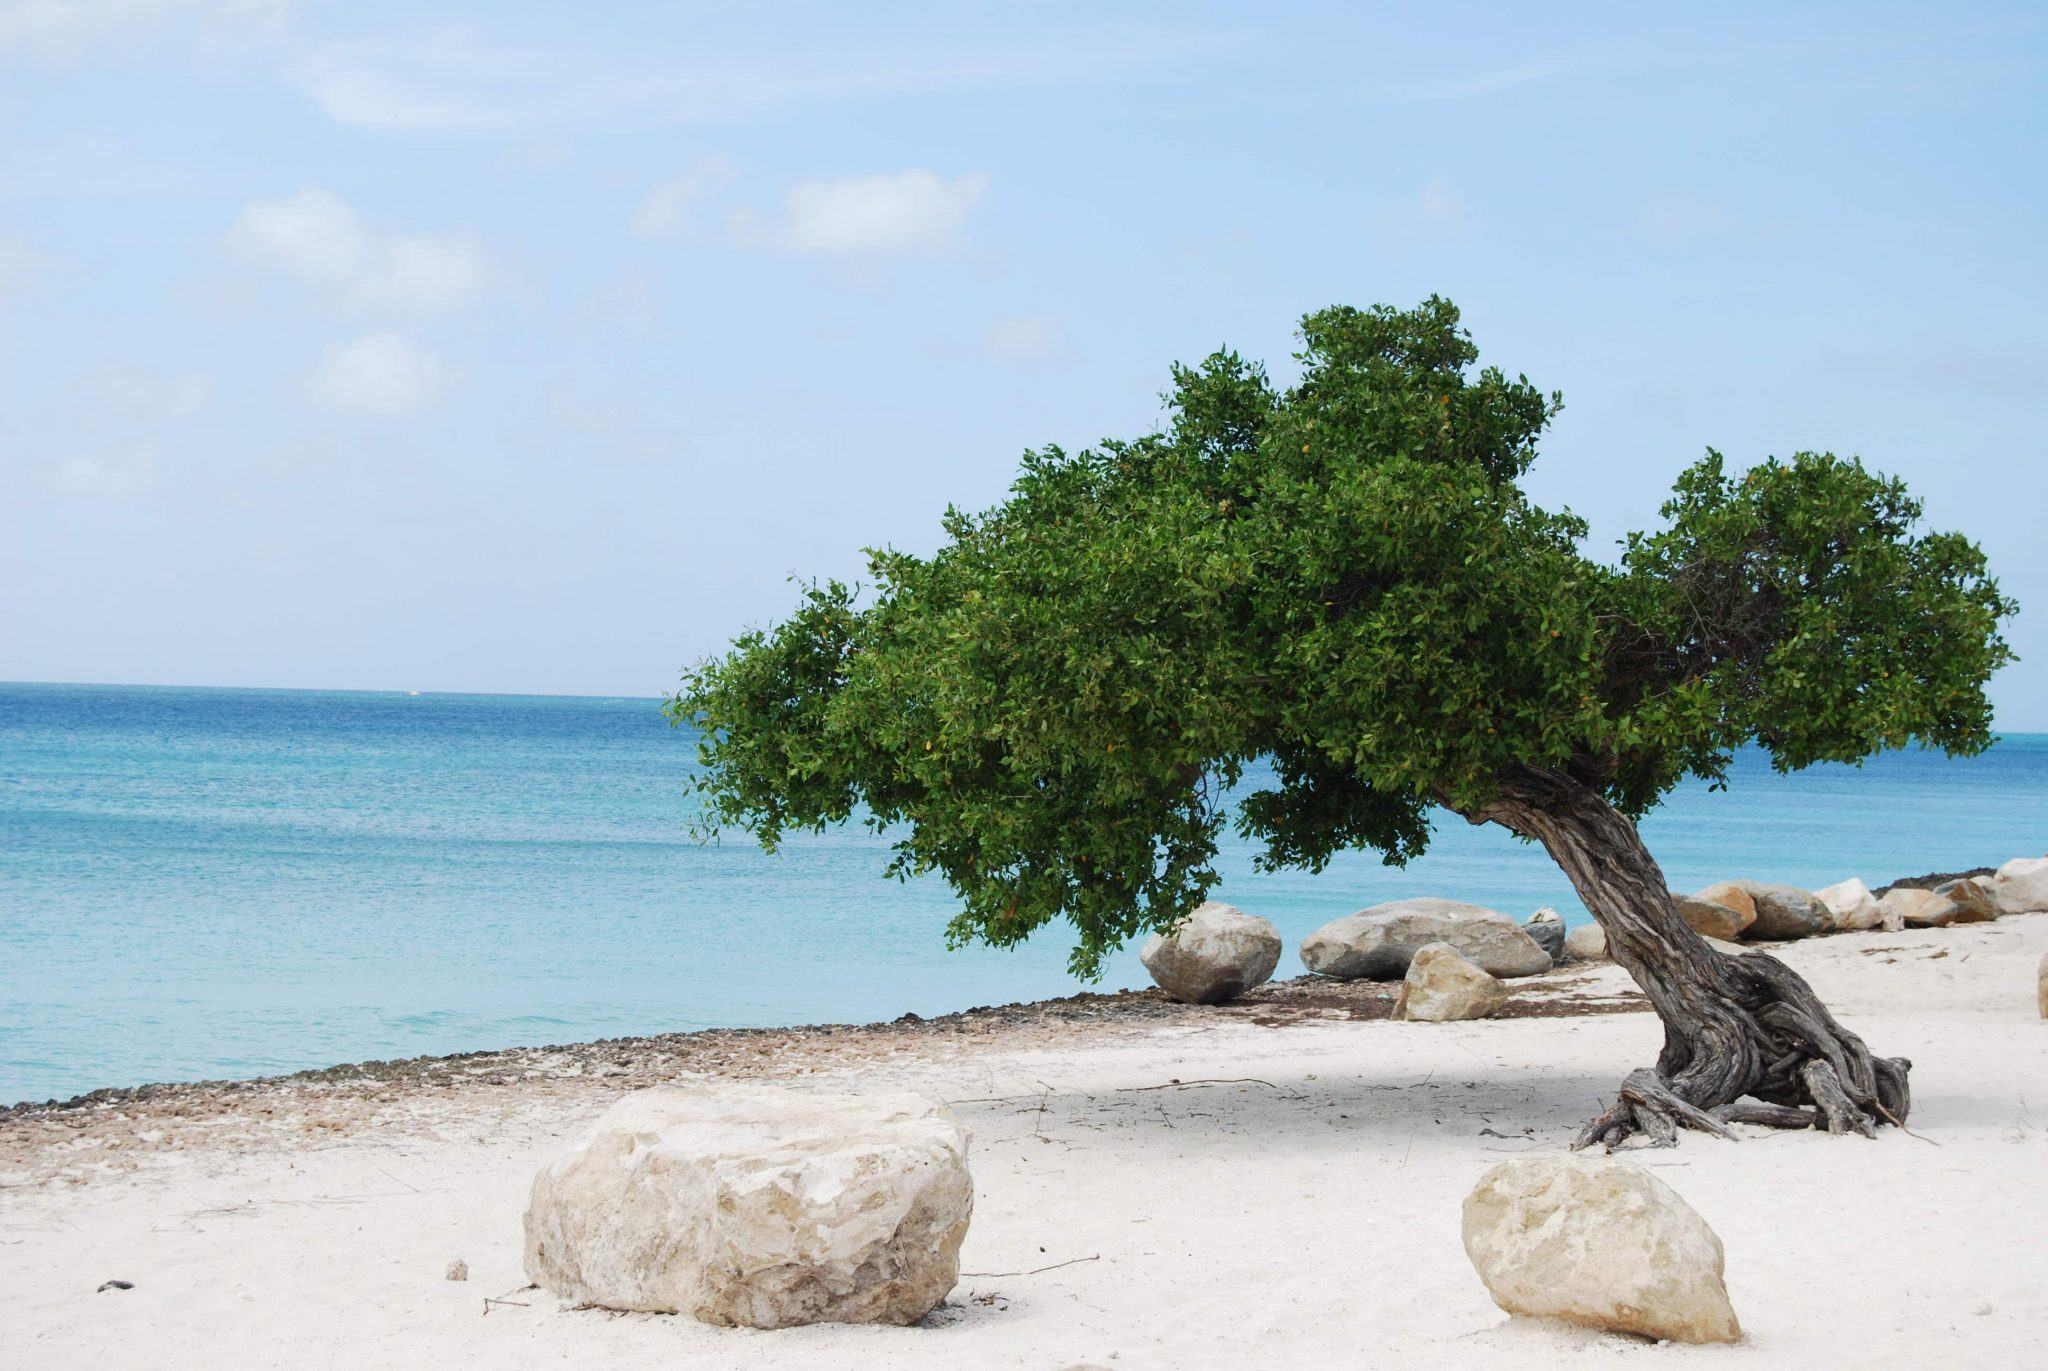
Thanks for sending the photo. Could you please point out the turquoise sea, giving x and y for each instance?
(221, 883)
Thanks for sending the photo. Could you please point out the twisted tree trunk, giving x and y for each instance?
(1745, 1038)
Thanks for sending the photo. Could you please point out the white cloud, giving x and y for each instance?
(380, 373)
(317, 237)
(1435, 211)
(898, 212)
(671, 207)
(143, 396)
(65, 30)
(1678, 217)
(464, 80)
(19, 265)
(1026, 340)
(112, 477)
(1471, 85)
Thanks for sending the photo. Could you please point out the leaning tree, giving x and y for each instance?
(1343, 580)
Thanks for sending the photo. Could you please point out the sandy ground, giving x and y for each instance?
(1272, 1186)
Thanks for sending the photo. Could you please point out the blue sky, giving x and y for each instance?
(532, 347)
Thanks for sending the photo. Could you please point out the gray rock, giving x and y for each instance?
(1784, 912)
(1379, 943)
(1217, 954)
(1546, 929)
(1441, 986)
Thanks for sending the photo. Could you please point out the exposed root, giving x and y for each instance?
(1767, 1115)
(1648, 1105)
(1836, 1107)
(1763, 1050)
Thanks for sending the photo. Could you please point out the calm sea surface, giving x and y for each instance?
(212, 883)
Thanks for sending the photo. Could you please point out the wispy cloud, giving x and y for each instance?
(108, 475)
(381, 373)
(1435, 211)
(1473, 84)
(459, 80)
(890, 214)
(63, 31)
(1675, 218)
(20, 264)
(144, 396)
(672, 208)
(1025, 340)
(317, 237)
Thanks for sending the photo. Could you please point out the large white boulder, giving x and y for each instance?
(1217, 954)
(1441, 985)
(1378, 943)
(756, 1207)
(1598, 1242)
(2021, 885)
(1850, 905)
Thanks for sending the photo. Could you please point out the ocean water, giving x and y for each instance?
(229, 883)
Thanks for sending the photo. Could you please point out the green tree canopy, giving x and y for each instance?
(1344, 578)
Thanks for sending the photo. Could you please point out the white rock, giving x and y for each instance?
(1217, 954)
(2021, 885)
(1599, 1242)
(1906, 906)
(1378, 943)
(1441, 985)
(1850, 905)
(757, 1207)
(1586, 943)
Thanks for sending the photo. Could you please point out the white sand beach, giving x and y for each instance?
(1207, 1188)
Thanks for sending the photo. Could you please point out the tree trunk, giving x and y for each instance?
(1745, 1038)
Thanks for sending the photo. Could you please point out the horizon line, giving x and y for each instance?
(1997, 730)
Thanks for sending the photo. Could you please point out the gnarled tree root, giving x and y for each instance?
(1758, 1048)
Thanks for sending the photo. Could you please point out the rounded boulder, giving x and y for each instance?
(2021, 885)
(1783, 912)
(757, 1208)
(1216, 954)
(1601, 1243)
(1442, 986)
(1377, 944)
